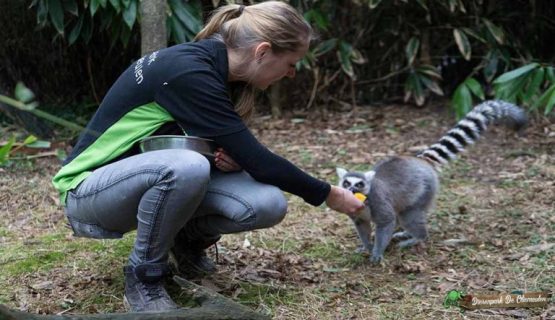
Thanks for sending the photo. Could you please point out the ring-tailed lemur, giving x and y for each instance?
(403, 188)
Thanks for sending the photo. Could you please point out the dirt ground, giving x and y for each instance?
(493, 230)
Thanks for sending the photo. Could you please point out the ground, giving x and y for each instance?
(493, 229)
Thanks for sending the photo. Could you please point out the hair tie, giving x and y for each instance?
(241, 8)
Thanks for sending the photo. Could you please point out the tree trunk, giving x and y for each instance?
(275, 100)
(153, 25)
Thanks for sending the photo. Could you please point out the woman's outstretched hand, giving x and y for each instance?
(343, 200)
(224, 162)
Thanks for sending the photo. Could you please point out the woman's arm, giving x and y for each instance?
(267, 167)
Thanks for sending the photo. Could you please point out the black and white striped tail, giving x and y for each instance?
(469, 129)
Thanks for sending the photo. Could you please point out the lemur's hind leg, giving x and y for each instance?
(413, 221)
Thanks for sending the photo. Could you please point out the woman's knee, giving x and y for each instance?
(270, 208)
(186, 168)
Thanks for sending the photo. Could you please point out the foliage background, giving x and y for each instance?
(369, 52)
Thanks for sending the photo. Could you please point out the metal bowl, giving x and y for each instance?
(206, 147)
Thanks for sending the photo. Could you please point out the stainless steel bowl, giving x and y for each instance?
(206, 147)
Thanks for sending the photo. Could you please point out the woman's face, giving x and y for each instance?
(270, 67)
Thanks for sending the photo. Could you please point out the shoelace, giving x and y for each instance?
(153, 290)
(217, 255)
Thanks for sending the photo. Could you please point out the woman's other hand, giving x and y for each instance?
(224, 162)
(343, 200)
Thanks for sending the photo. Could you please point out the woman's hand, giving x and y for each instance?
(224, 162)
(343, 200)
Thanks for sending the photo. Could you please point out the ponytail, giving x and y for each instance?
(218, 18)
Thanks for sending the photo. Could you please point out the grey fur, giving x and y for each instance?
(403, 189)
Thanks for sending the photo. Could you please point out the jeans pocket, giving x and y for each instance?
(86, 230)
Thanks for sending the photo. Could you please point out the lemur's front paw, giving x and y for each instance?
(375, 259)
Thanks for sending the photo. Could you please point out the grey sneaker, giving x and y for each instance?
(144, 290)
(190, 258)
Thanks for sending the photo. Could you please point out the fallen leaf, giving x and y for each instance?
(459, 242)
(246, 243)
(538, 247)
(44, 285)
(210, 285)
(445, 286)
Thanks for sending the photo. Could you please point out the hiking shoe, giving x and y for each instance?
(190, 258)
(144, 290)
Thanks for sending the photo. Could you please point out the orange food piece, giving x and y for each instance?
(360, 196)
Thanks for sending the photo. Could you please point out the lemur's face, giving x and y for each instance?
(355, 181)
(355, 184)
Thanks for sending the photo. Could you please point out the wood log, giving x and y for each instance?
(212, 306)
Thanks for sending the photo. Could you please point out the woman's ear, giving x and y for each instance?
(261, 50)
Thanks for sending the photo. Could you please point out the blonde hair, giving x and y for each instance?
(241, 27)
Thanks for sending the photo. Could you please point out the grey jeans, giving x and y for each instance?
(161, 192)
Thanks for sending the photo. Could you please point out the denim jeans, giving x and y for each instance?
(162, 192)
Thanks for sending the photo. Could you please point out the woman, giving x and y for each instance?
(171, 197)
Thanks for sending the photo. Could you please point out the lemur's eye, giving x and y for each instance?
(346, 184)
(359, 185)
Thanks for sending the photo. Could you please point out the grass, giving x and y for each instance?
(305, 267)
(271, 296)
(324, 250)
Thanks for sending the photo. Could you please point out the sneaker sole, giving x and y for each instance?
(128, 308)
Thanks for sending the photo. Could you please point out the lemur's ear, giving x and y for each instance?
(341, 172)
(368, 175)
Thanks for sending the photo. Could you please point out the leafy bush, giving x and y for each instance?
(25, 101)
(532, 86)
(67, 80)
(374, 51)
(425, 48)
(75, 20)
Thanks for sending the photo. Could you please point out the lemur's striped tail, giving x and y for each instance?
(469, 129)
